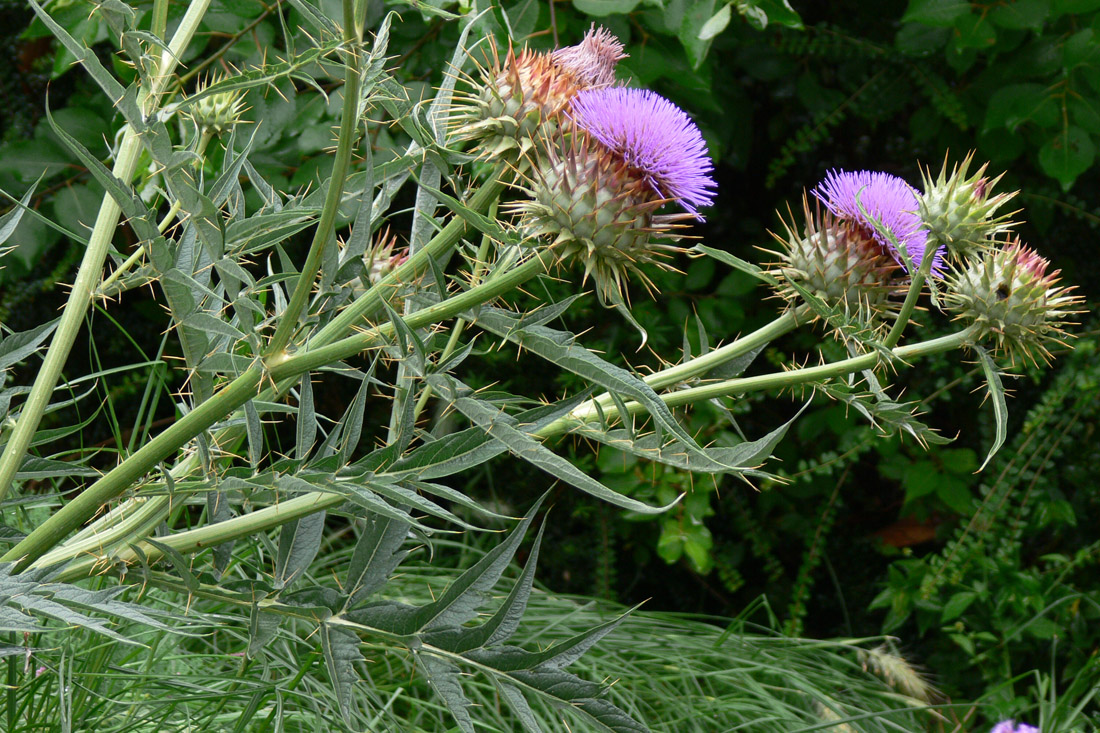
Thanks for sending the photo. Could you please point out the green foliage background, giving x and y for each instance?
(986, 577)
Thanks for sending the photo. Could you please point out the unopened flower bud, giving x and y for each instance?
(596, 192)
(216, 113)
(521, 97)
(1012, 300)
(960, 212)
(839, 262)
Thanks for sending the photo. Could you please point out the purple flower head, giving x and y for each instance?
(653, 136)
(886, 200)
(1009, 726)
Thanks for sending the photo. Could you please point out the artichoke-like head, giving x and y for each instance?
(216, 114)
(1013, 301)
(838, 261)
(959, 210)
(520, 98)
(596, 192)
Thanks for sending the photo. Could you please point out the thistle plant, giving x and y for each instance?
(281, 547)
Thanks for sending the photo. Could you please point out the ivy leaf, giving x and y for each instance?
(1067, 155)
(939, 13)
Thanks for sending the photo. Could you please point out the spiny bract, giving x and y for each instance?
(521, 98)
(960, 212)
(1012, 300)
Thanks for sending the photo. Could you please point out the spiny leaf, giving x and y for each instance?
(299, 542)
(341, 649)
(377, 554)
(997, 395)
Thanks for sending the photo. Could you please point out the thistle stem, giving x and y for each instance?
(911, 297)
(776, 380)
(291, 509)
(235, 394)
(91, 266)
(326, 227)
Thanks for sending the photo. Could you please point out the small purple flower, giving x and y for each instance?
(886, 200)
(1009, 726)
(653, 136)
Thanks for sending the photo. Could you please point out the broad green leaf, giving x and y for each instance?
(377, 554)
(462, 598)
(444, 678)
(10, 220)
(939, 13)
(1067, 155)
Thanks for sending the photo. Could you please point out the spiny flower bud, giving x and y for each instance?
(522, 97)
(885, 207)
(383, 258)
(216, 113)
(596, 192)
(1012, 300)
(960, 212)
(839, 262)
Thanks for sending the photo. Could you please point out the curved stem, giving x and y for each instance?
(326, 227)
(911, 297)
(241, 390)
(776, 380)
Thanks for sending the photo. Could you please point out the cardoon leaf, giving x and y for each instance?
(341, 649)
(501, 426)
(10, 220)
(138, 214)
(377, 554)
(460, 601)
(560, 348)
(299, 542)
(306, 432)
(88, 59)
(19, 346)
(519, 706)
(443, 677)
(997, 395)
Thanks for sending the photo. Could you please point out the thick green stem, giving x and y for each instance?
(235, 394)
(123, 476)
(776, 380)
(911, 297)
(91, 266)
(326, 227)
(336, 351)
(711, 360)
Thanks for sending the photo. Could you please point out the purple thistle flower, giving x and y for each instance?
(653, 136)
(1009, 726)
(888, 201)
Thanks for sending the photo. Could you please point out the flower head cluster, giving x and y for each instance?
(883, 205)
(1012, 300)
(960, 211)
(595, 192)
(520, 98)
(1010, 726)
(653, 136)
